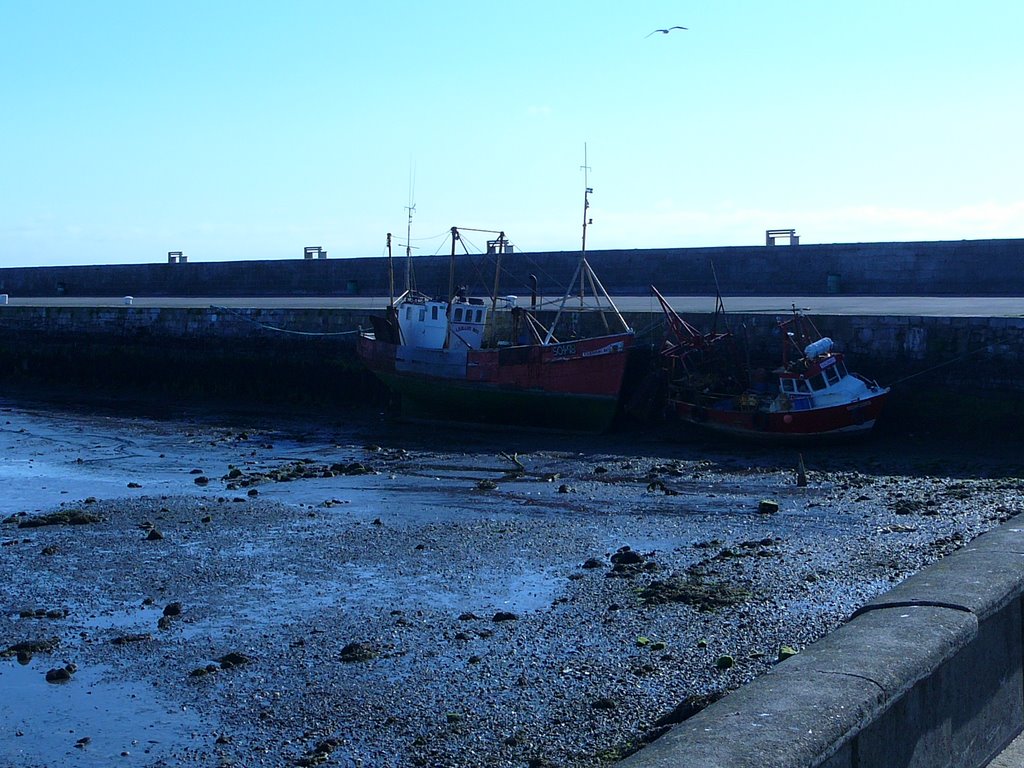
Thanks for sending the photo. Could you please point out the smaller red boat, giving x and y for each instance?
(812, 394)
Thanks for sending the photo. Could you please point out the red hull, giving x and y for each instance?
(570, 385)
(849, 418)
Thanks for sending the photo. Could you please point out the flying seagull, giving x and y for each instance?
(663, 31)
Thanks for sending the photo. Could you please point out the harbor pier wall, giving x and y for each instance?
(967, 372)
(939, 268)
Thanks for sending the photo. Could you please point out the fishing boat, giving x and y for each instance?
(811, 394)
(445, 360)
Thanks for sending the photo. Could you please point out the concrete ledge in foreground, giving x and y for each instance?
(927, 675)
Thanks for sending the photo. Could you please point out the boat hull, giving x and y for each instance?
(846, 419)
(568, 386)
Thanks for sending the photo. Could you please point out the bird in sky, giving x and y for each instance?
(663, 31)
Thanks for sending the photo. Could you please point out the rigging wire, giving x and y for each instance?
(478, 265)
(443, 236)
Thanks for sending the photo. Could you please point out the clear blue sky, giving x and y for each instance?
(233, 130)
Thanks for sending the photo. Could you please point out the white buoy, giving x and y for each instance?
(128, 300)
(820, 347)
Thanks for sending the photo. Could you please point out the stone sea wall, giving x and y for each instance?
(967, 371)
(939, 268)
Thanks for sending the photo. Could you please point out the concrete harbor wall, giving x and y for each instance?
(188, 353)
(927, 675)
(968, 372)
(939, 268)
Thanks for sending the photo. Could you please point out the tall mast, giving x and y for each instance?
(584, 271)
(411, 208)
(586, 201)
(586, 219)
(391, 276)
(451, 266)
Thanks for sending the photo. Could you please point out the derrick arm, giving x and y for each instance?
(688, 339)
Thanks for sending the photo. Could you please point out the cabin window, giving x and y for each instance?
(433, 312)
(408, 313)
(787, 385)
(841, 367)
(458, 314)
(801, 386)
(831, 375)
(817, 383)
(479, 315)
(423, 314)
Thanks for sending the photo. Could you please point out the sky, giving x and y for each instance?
(250, 130)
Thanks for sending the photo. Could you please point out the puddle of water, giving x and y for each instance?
(281, 599)
(47, 459)
(485, 589)
(47, 719)
(128, 620)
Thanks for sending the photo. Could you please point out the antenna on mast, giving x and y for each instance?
(585, 272)
(410, 209)
(587, 190)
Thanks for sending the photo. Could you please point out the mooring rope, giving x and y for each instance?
(283, 330)
(952, 361)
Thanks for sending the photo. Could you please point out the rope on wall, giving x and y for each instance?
(281, 330)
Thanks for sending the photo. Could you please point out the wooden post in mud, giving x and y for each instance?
(801, 473)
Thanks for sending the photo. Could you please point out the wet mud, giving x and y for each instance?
(195, 590)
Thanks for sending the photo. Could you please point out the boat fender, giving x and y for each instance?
(820, 347)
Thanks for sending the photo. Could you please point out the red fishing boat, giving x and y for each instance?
(811, 394)
(445, 361)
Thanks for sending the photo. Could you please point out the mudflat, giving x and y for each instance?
(255, 590)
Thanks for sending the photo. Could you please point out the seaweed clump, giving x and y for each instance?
(694, 591)
(63, 517)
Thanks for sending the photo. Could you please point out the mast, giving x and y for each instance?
(587, 191)
(585, 272)
(500, 249)
(411, 208)
(391, 276)
(451, 266)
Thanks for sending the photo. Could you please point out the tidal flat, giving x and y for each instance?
(261, 590)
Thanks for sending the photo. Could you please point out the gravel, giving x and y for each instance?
(369, 600)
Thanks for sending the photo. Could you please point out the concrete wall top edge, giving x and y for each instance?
(1013, 243)
(969, 267)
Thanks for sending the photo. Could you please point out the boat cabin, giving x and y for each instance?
(431, 324)
(423, 322)
(825, 379)
(468, 318)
